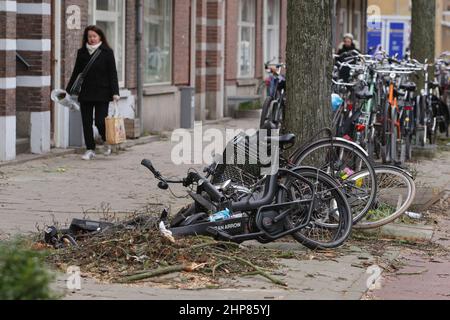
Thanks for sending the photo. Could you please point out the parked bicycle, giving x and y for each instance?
(274, 106)
(302, 202)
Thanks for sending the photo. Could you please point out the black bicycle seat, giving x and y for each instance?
(433, 84)
(364, 94)
(287, 139)
(409, 86)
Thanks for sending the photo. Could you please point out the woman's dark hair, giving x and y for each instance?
(98, 31)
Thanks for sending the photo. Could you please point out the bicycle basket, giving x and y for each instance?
(241, 161)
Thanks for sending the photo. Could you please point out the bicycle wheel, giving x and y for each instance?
(277, 114)
(396, 192)
(265, 112)
(421, 122)
(330, 223)
(386, 152)
(338, 120)
(395, 157)
(432, 131)
(406, 148)
(182, 215)
(342, 159)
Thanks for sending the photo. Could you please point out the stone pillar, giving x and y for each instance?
(8, 11)
(34, 82)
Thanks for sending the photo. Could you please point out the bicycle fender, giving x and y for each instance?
(353, 144)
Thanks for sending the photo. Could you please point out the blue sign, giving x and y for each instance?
(374, 38)
(397, 39)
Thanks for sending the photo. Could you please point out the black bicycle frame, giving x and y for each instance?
(266, 203)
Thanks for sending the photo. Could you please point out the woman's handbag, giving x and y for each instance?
(76, 87)
(115, 128)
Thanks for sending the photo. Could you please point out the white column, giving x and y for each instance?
(40, 132)
(61, 119)
(7, 138)
(7, 123)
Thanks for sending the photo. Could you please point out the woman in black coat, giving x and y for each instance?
(100, 86)
(347, 50)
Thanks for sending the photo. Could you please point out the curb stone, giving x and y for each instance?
(404, 231)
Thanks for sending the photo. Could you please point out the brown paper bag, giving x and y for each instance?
(115, 129)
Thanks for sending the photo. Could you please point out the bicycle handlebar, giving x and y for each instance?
(149, 165)
(393, 71)
(193, 177)
(278, 66)
(207, 186)
(344, 84)
(350, 66)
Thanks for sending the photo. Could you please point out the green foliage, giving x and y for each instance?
(382, 212)
(246, 106)
(23, 273)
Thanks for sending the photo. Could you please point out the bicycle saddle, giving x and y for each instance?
(433, 84)
(364, 94)
(288, 139)
(408, 86)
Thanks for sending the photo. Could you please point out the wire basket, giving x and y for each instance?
(241, 161)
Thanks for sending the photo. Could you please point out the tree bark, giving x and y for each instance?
(309, 68)
(423, 32)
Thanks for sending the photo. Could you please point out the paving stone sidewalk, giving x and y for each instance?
(425, 275)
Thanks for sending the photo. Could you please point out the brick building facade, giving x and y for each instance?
(217, 47)
(25, 36)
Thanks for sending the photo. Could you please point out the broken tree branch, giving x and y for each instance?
(152, 274)
(258, 270)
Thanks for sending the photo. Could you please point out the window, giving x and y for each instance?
(272, 30)
(109, 15)
(158, 41)
(246, 54)
(344, 22)
(357, 25)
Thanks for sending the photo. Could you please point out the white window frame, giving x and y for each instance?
(110, 16)
(252, 26)
(165, 83)
(275, 27)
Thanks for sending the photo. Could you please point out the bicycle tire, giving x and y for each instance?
(277, 114)
(387, 135)
(184, 213)
(341, 231)
(407, 180)
(299, 157)
(265, 111)
(395, 158)
(432, 132)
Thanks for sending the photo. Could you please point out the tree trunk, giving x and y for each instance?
(309, 68)
(423, 32)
